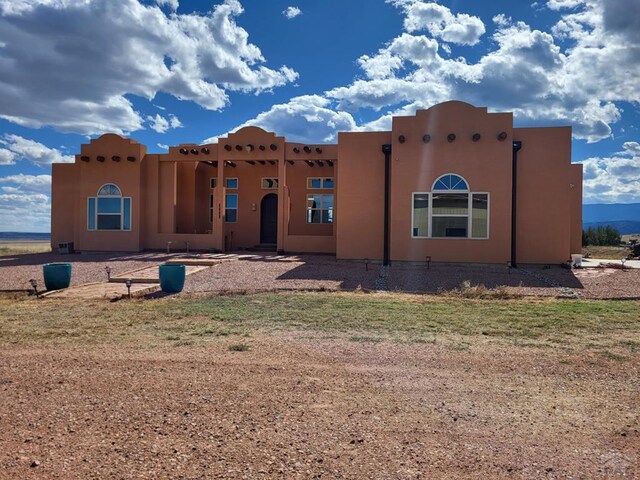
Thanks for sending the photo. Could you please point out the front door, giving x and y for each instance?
(269, 219)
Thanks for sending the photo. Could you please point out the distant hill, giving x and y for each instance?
(14, 236)
(625, 227)
(611, 212)
(623, 216)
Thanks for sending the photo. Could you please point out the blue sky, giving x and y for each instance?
(175, 71)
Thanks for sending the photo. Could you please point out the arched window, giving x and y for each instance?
(109, 210)
(450, 210)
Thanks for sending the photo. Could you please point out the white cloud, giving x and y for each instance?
(440, 22)
(93, 58)
(7, 157)
(172, 4)
(614, 179)
(291, 12)
(25, 212)
(163, 146)
(161, 124)
(580, 83)
(308, 118)
(502, 20)
(35, 152)
(563, 4)
(27, 184)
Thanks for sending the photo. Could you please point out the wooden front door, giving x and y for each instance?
(269, 219)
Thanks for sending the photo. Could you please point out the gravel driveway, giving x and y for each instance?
(251, 273)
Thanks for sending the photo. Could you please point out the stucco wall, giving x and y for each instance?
(545, 201)
(92, 174)
(576, 209)
(63, 203)
(360, 189)
(485, 164)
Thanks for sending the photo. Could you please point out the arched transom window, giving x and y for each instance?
(109, 210)
(450, 182)
(109, 190)
(450, 210)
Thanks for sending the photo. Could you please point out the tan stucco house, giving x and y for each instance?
(453, 183)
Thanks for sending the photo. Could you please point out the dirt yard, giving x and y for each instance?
(310, 408)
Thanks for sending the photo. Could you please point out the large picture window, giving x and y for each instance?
(320, 208)
(109, 210)
(450, 210)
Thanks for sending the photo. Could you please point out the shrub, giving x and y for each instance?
(601, 236)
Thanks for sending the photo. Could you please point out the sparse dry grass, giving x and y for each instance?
(25, 246)
(604, 252)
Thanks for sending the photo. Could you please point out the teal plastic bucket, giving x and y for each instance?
(172, 277)
(56, 275)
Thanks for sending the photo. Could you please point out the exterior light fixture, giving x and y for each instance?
(451, 137)
(273, 147)
(318, 150)
(427, 259)
(426, 138)
(296, 150)
(476, 137)
(262, 148)
(115, 158)
(184, 151)
(34, 285)
(194, 151)
(307, 149)
(108, 270)
(239, 148)
(84, 158)
(131, 159)
(127, 282)
(249, 148)
(227, 147)
(100, 158)
(402, 139)
(502, 136)
(366, 264)
(205, 150)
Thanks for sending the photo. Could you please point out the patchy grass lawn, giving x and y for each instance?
(361, 317)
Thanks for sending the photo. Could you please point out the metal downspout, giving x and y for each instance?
(517, 145)
(386, 149)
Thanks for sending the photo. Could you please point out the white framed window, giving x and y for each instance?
(109, 210)
(320, 183)
(231, 208)
(450, 210)
(269, 183)
(231, 183)
(320, 208)
(213, 182)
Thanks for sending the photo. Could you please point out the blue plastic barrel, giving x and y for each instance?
(172, 277)
(56, 275)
